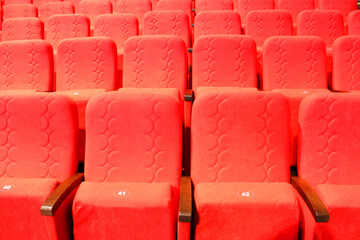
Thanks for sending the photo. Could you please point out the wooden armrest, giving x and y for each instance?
(312, 200)
(189, 95)
(53, 202)
(185, 204)
(190, 50)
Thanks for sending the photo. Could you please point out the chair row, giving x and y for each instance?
(239, 167)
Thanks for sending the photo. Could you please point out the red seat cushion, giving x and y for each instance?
(127, 210)
(241, 208)
(20, 201)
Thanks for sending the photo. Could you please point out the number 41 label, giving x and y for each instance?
(245, 194)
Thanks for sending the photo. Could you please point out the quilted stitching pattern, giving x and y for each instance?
(221, 137)
(155, 61)
(136, 7)
(140, 148)
(224, 61)
(344, 6)
(26, 65)
(53, 8)
(295, 7)
(22, 28)
(327, 148)
(347, 63)
(37, 151)
(294, 62)
(205, 5)
(329, 25)
(167, 23)
(86, 63)
(94, 8)
(217, 22)
(354, 23)
(263, 24)
(245, 6)
(182, 5)
(19, 10)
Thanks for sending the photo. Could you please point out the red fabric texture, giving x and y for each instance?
(354, 23)
(22, 29)
(245, 6)
(183, 5)
(49, 9)
(62, 26)
(155, 62)
(294, 63)
(329, 25)
(344, 6)
(327, 159)
(224, 61)
(38, 3)
(175, 22)
(20, 201)
(246, 211)
(133, 160)
(346, 56)
(232, 133)
(135, 7)
(26, 65)
(295, 7)
(126, 210)
(206, 5)
(94, 8)
(19, 11)
(217, 22)
(183, 231)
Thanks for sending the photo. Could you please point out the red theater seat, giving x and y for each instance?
(66, 26)
(240, 166)
(118, 27)
(296, 67)
(132, 166)
(38, 145)
(6, 2)
(136, 7)
(206, 5)
(174, 22)
(344, 6)
(38, 3)
(224, 61)
(22, 29)
(85, 67)
(26, 65)
(295, 7)
(245, 6)
(182, 5)
(328, 153)
(217, 22)
(354, 23)
(19, 11)
(94, 8)
(46, 10)
(346, 73)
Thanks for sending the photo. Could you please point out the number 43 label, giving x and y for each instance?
(245, 194)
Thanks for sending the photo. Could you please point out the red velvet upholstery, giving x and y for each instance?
(94, 8)
(46, 10)
(133, 161)
(240, 165)
(346, 54)
(136, 7)
(19, 10)
(26, 65)
(85, 67)
(328, 25)
(217, 22)
(182, 5)
(328, 150)
(38, 143)
(354, 23)
(155, 62)
(344, 6)
(296, 67)
(67, 26)
(175, 22)
(262, 24)
(206, 5)
(245, 6)
(224, 61)
(22, 29)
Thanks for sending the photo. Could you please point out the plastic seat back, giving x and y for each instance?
(22, 29)
(294, 63)
(19, 11)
